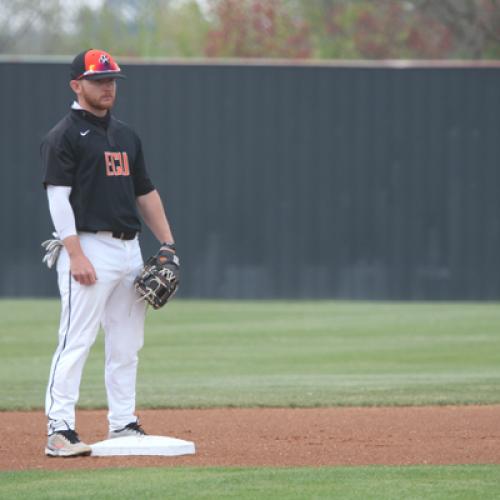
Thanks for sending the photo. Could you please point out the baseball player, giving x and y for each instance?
(97, 185)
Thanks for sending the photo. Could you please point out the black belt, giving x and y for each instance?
(121, 235)
(124, 235)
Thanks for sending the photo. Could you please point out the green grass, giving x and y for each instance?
(204, 354)
(457, 482)
(231, 353)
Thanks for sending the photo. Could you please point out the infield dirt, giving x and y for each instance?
(278, 437)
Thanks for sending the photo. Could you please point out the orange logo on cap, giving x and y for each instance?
(97, 61)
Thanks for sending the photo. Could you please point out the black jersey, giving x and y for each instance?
(101, 159)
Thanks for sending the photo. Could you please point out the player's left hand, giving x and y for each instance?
(159, 279)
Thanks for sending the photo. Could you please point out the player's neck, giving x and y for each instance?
(101, 113)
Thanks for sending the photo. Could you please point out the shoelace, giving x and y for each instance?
(70, 435)
(134, 426)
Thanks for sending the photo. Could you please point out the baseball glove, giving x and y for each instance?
(159, 278)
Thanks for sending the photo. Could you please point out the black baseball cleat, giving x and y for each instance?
(132, 429)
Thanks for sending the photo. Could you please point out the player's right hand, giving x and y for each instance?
(82, 270)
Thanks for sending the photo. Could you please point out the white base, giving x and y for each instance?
(144, 445)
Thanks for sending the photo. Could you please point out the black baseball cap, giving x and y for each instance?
(94, 64)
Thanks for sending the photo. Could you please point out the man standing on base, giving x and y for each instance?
(97, 185)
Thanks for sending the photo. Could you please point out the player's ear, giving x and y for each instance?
(75, 86)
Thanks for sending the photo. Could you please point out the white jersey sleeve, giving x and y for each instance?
(61, 211)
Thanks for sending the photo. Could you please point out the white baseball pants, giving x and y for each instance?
(112, 303)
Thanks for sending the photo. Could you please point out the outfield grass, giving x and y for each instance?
(457, 482)
(232, 353)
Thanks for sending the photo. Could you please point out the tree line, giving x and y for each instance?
(298, 29)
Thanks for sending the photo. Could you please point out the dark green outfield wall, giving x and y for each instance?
(287, 181)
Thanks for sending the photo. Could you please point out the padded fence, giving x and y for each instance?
(286, 181)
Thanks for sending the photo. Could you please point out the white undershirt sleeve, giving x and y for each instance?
(61, 211)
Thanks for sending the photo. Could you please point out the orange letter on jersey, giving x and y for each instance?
(126, 170)
(110, 163)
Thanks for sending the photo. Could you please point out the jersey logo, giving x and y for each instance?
(84, 132)
(116, 163)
